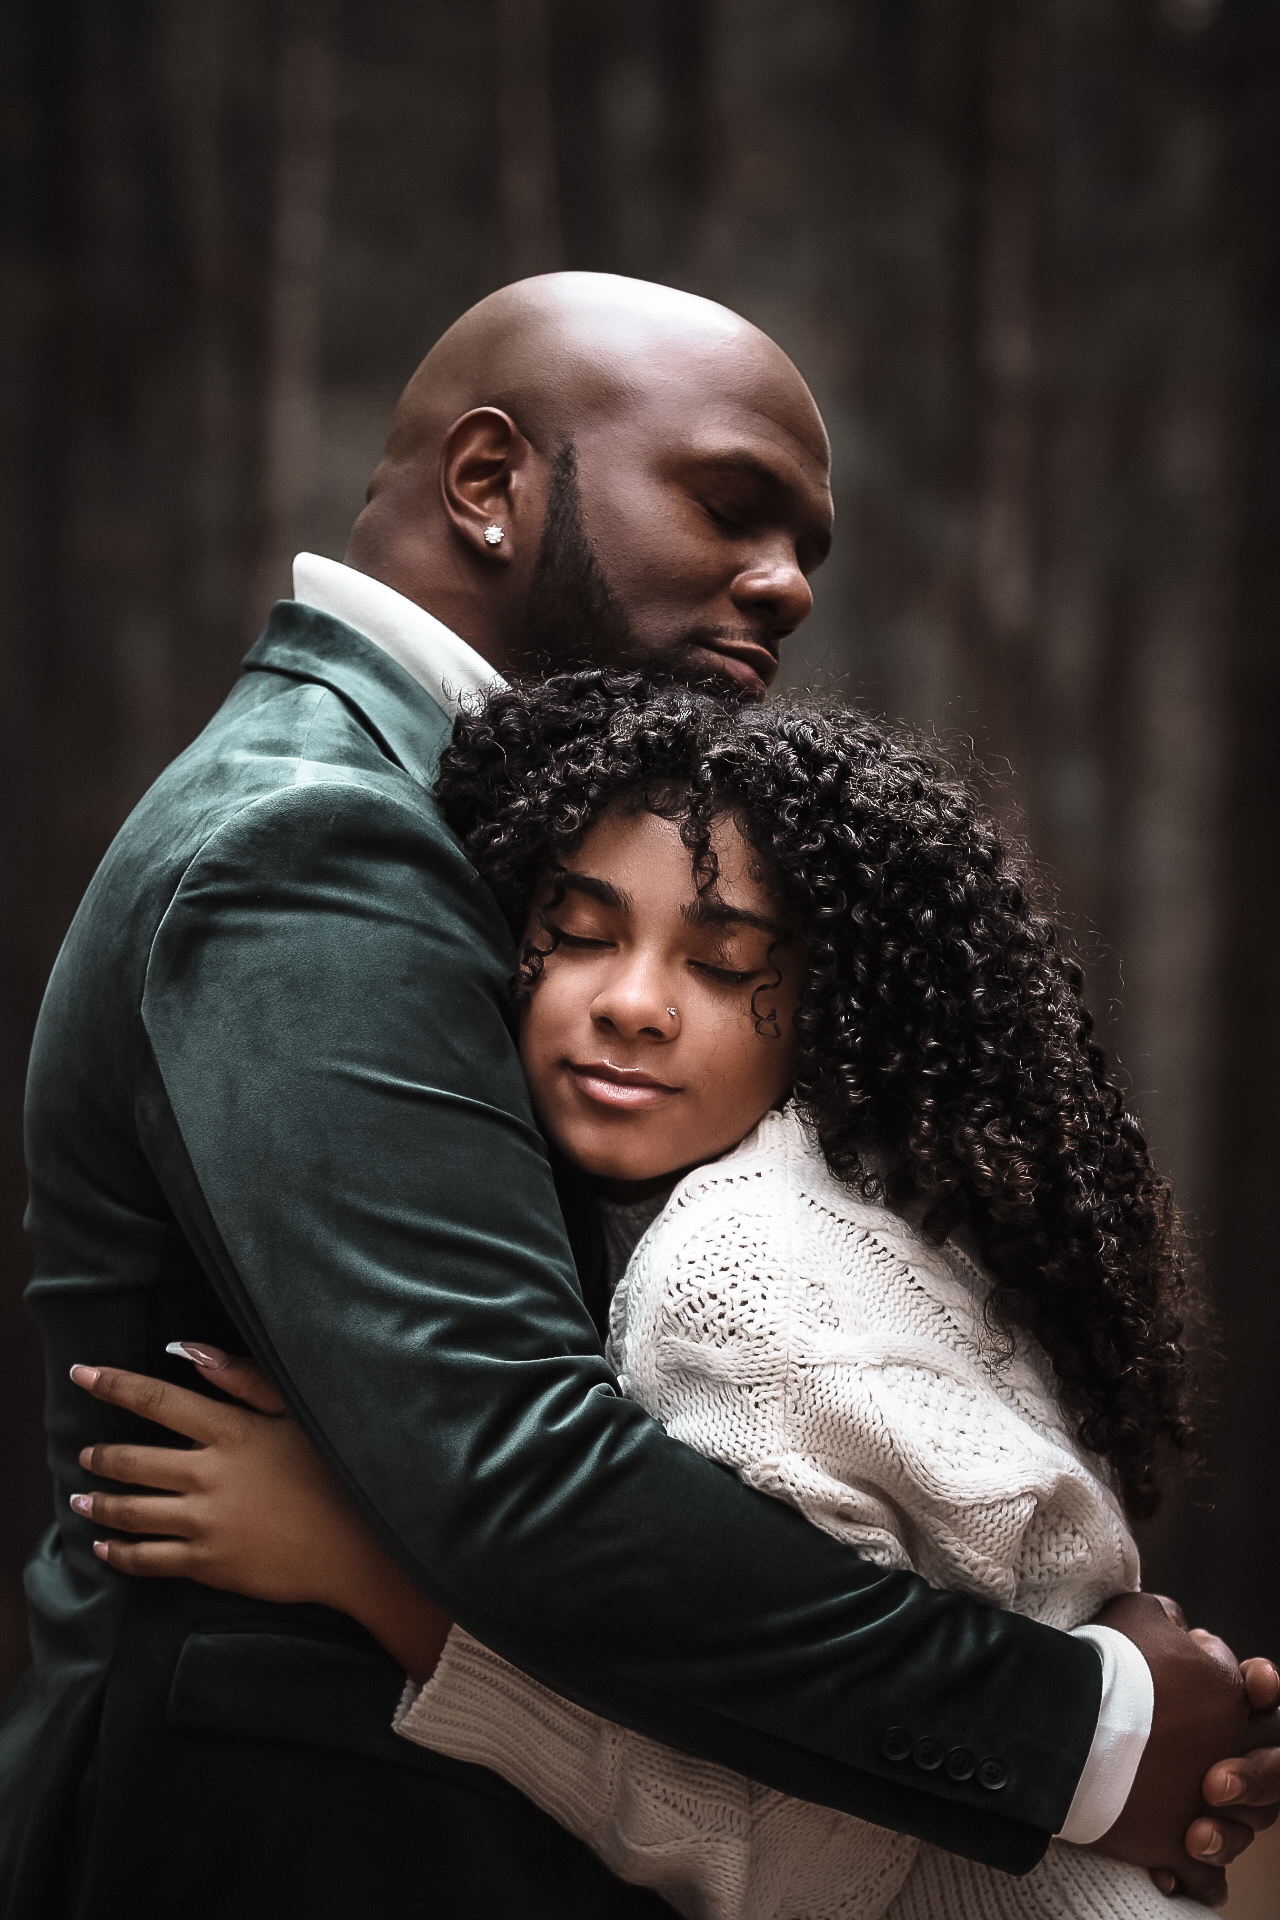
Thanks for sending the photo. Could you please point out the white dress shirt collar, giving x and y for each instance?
(446, 666)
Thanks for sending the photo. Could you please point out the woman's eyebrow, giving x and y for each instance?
(719, 913)
(602, 890)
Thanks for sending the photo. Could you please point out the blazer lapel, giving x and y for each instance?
(306, 644)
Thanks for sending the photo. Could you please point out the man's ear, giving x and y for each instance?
(486, 483)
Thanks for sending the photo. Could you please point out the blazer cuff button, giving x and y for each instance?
(960, 1764)
(993, 1774)
(927, 1754)
(895, 1744)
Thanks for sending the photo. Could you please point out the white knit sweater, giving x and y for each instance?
(820, 1347)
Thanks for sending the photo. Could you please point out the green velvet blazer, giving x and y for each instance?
(275, 1101)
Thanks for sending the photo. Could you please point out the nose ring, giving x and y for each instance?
(672, 1012)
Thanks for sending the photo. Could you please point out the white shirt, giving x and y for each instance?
(450, 670)
(438, 660)
(1124, 1726)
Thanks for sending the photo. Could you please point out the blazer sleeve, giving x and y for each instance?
(338, 1118)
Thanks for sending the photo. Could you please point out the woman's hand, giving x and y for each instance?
(251, 1508)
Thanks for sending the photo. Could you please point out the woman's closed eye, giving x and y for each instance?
(726, 976)
(713, 970)
(716, 971)
(566, 939)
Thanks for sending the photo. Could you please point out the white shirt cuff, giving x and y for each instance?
(1124, 1725)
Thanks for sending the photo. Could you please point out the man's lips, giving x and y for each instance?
(750, 662)
(627, 1087)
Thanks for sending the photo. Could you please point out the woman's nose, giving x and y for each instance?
(637, 1002)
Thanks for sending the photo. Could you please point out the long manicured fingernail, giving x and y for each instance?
(82, 1503)
(212, 1358)
(86, 1458)
(1227, 1787)
(102, 1548)
(85, 1376)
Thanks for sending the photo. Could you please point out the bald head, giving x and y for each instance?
(564, 349)
(586, 466)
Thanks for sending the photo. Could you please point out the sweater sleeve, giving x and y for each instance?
(716, 1846)
(713, 1844)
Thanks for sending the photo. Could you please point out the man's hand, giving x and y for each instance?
(1204, 1709)
(1247, 1786)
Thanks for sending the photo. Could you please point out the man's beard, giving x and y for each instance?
(573, 618)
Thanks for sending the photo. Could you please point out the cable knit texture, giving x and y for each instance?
(819, 1346)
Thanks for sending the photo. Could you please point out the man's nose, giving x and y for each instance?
(773, 583)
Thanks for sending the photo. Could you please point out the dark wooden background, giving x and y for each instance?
(1027, 257)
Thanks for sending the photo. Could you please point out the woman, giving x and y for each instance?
(903, 1259)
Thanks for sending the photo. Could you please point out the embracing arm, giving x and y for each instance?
(338, 1119)
(340, 1122)
(251, 1508)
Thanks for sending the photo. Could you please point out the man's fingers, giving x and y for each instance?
(150, 1559)
(136, 1512)
(1257, 1819)
(171, 1469)
(232, 1373)
(173, 1407)
(1216, 1843)
(1262, 1683)
(1206, 1884)
(1250, 1780)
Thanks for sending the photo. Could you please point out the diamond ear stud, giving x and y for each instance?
(494, 535)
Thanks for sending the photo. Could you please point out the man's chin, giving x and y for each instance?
(689, 663)
(694, 664)
(750, 680)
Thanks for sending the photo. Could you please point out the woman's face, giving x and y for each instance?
(639, 1042)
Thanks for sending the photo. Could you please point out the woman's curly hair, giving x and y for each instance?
(940, 1022)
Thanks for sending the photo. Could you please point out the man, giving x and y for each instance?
(274, 1101)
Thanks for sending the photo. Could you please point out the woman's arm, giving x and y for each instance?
(251, 1508)
(254, 1510)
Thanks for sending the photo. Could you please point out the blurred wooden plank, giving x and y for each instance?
(527, 157)
(291, 428)
(1254, 1881)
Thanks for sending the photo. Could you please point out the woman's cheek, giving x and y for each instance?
(566, 996)
(728, 1053)
(550, 1031)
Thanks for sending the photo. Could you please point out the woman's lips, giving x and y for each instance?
(611, 1086)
